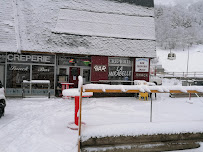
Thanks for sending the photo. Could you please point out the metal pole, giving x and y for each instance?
(188, 60)
(80, 118)
(151, 111)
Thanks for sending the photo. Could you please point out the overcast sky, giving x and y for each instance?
(173, 2)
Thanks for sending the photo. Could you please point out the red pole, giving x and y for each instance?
(76, 109)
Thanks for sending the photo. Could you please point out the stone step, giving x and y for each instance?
(145, 147)
(148, 143)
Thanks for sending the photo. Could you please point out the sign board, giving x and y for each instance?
(100, 68)
(119, 61)
(120, 71)
(31, 58)
(142, 65)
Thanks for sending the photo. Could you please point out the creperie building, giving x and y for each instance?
(104, 43)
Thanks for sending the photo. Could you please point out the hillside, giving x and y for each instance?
(180, 63)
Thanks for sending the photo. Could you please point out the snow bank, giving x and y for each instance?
(136, 129)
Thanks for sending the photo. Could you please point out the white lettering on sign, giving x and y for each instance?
(101, 68)
(14, 68)
(120, 72)
(32, 58)
(142, 65)
(119, 61)
(42, 69)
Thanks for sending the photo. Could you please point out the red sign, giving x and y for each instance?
(99, 68)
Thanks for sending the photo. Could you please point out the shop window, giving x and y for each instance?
(74, 61)
(120, 68)
(2, 58)
(120, 73)
(62, 71)
(16, 73)
(40, 72)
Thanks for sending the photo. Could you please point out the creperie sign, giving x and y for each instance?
(29, 58)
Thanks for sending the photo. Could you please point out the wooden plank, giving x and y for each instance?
(136, 91)
(156, 91)
(175, 91)
(113, 91)
(192, 91)
(132, 91)
(93, 90)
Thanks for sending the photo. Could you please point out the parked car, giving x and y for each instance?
(2, 100)
(155, 79)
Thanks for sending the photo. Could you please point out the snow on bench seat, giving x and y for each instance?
(75, 92)
(141, 88)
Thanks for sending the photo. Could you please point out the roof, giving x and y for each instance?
(42, 27)
(7, 27)
(105, 25)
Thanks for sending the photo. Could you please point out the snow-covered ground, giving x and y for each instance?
(40, 124)
(180, 63)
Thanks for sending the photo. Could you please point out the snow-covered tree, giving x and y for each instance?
(178, 26)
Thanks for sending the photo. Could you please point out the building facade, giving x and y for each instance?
(103, 41)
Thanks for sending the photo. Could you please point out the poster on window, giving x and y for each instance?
(142, 65)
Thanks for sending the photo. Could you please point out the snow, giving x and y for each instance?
(2, 93)
(37, 81)
(40, 124)
(80, 82)
(75, 92)
(38, 19)
(180, 63)
(142, 88)
(105, 25)
(7, 27)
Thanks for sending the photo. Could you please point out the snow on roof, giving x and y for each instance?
(105, 25)
(7, 27)
(38, 19)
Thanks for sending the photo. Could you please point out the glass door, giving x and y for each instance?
(86, 75)
(73, 75)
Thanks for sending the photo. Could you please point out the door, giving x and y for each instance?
(86, 75)
(74, 72)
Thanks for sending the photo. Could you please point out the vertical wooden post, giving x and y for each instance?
(80, 118)
(151, 111)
